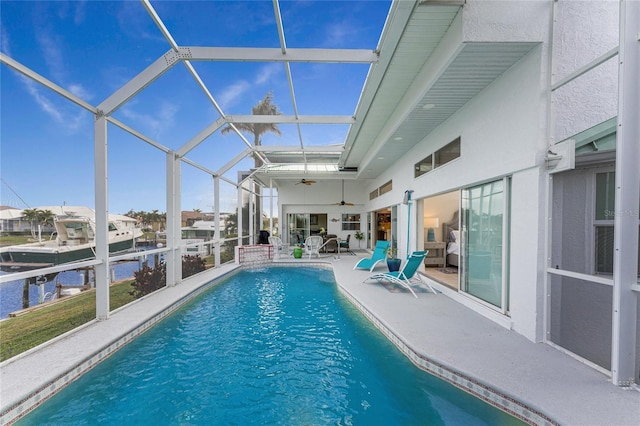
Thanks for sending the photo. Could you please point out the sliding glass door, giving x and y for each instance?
(484, 233)
(298, 227)
(302, 225)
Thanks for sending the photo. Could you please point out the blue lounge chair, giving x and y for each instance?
(379, 254)
(408, 272)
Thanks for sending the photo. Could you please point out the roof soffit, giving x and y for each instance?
(431, 65)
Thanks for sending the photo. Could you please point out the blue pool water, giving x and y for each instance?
(276, 346)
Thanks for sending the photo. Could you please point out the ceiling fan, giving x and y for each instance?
(306, 182)
(343, 203)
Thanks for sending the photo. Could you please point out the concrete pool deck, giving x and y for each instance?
(566, 390)
(434, 326)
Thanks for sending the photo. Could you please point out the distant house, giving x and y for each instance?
(202, 229)
(188, 218)
(11, 220)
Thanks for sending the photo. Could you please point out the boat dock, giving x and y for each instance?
(22, 266)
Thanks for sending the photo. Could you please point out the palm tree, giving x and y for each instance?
(231, 224)
(32, 216)
(264, 107)
(46, 217)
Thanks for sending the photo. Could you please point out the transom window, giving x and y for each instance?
(447, 153)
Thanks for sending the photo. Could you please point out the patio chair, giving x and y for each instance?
(379, 254)
(278, 246)
(344, 245)
(313, 244)
(330, 243)
(405, 275)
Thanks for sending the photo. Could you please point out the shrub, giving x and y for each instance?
(147, 280)
(191, 265)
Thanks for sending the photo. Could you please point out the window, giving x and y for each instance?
(386, 187)
(604, 215)
(424, 166)
(382, 190)
(350, 222)
(603, 223)
(447, 153)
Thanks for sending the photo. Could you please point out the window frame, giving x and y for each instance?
(352, 221)
(431, 158)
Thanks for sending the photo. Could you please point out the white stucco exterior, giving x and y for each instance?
(506, 131)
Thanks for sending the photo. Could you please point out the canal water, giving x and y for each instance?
(11, 292)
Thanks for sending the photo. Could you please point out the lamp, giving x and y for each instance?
(430, 223)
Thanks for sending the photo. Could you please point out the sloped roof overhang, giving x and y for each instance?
(426, 73)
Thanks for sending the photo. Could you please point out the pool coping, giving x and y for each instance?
(489, 394)
(22, 403)
(167, 300)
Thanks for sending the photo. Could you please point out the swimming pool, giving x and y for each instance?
(268, 346)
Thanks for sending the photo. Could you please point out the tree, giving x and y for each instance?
(264, 107)
(46, 217)
(231, 224)
(31, 215)
(154, 220)
(41, 217)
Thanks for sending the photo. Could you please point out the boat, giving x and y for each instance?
(74, 241)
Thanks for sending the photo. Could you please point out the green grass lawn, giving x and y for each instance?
(10, 240)
(26, 331)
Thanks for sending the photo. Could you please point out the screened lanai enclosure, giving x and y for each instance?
(301, 118)
(288, 129)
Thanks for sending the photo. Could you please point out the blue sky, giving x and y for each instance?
(92, 48)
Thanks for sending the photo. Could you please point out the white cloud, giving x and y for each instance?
(79, 91)
(53, 54)
(79, 12)
(337, 33)
(157, 122)
(267, 72)
(35, 90)
(4, 39)
(44, 103)
(232, 93)
(71, 122)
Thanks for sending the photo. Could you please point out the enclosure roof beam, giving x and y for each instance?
(198, 166)
(138, 134)
(184, 54)
(235, 160)
(262, 54)
(139, 82)
(291, 119)
(45, 82)
(199, 138)
(163, 29)
(228, 181)
(283, 148)
(287, 68)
